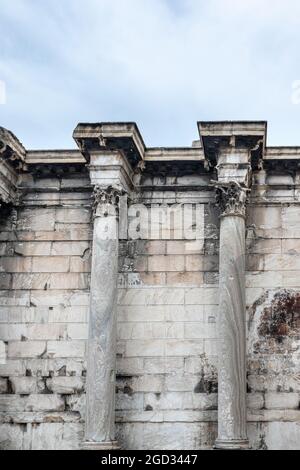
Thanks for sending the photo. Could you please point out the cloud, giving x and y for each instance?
(163, 63)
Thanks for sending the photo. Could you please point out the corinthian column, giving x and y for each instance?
(101, 358)
(232, 411)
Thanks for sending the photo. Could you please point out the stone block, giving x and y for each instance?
(287, 262)
(80, 265)
(291, 246)
(59, 298)
(74, 314)
(32, 248)
(66, 385)
(50, 264)
(36, 219)
(166, 263)
(290, 221)
(193, 330)
(184, 347)
(255, 401)
(12, 332)
(148, 383)
(282, 436)
(39, 332)
(264, 279)
(194, 262)
(276, 401)
(264, 246)
(148, 296)
(12, 368)
(66, 349)
(185, 279)
(24, 349)
(144, 348)
(26, 385)
(70, 248)
(163, 365)
(15, 264)
(147, 279)
(77, 331)
(11, 437)
(179, 383)
(201, 296)
(73, 216)
(44, 402)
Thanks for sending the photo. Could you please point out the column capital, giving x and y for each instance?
(231, 198)
(106, 200)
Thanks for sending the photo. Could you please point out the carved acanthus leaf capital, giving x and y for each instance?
(106, 200)
(231, 198)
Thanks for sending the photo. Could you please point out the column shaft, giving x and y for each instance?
(232, 409)
(100, 388)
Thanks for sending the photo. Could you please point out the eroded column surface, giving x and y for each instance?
(232, 411)
(101, 359)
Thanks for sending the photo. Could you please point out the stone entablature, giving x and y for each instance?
(90, 315)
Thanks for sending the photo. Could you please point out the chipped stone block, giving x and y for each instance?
(23, 349)
(66, 385)
(26, 385)
(44, 403)
(69, 248)
(77, 403)
(60, 367)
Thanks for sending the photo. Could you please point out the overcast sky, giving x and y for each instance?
(164, 64)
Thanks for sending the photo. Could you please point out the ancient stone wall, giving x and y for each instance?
(167, 314)
(45, 269)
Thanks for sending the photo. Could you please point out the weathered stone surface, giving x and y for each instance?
(232, 419)
(65, 385)
(102, 333)
(168, 294)
(26, 385)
